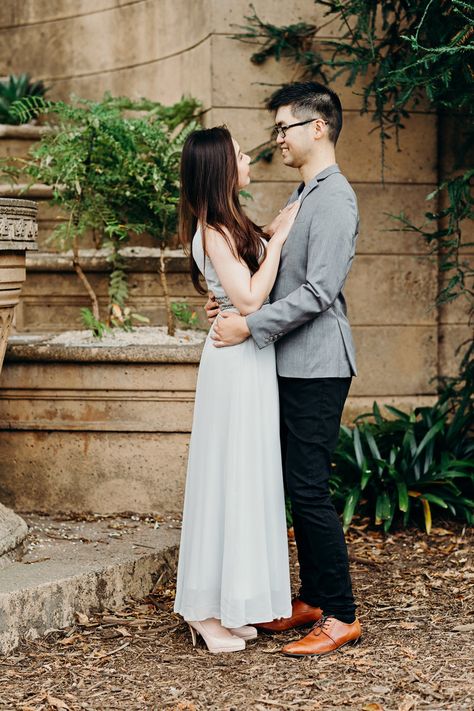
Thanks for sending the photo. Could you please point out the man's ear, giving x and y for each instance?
(319, 130)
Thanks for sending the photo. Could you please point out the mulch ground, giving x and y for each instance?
(415, 596)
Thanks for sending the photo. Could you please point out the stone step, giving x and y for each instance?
(74, 566)
(12, 531)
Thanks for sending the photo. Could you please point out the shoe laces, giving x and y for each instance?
(322, 625)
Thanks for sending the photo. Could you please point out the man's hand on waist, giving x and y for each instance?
(230, 329)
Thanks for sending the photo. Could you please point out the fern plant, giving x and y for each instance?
(114, 167)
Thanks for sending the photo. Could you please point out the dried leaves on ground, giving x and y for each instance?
(415, 598)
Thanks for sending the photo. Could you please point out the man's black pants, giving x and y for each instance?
(310, 412)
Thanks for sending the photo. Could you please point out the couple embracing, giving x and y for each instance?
(274, 375)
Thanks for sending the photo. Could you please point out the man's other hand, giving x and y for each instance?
(229, 330)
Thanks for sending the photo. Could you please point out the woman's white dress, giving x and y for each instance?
(233, 559)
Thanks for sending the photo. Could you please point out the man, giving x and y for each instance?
(307, 321)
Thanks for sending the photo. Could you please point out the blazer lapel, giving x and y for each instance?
(317, 179)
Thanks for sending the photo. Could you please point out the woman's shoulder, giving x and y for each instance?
(214, 233)
(209, 240)
(219, 240)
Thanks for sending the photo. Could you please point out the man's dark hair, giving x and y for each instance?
(308, 99)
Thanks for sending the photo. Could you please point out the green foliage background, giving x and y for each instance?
(403, 52)
(114, 169)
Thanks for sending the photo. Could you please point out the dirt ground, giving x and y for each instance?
(415, 596)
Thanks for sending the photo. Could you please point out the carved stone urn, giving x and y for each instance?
(18, 232)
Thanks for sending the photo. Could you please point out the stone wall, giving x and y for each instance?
(101, 429)
(134, 47)
(164, 48)
(104, 429)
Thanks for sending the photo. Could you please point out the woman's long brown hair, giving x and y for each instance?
(210, 198)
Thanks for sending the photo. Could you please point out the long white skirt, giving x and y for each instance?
(233, 560)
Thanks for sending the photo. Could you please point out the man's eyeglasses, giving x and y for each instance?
(281, 130)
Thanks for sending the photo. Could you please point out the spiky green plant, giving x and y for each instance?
(393, 468)
(14, 88)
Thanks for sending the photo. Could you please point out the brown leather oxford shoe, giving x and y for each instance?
(302, 615)
(327, 635)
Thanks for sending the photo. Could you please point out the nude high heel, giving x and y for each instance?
(193, 634)
(246, 632)
(222, 641)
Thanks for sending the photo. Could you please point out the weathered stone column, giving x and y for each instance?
(18, 231)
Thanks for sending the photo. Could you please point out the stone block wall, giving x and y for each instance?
(93, 431)
(165, 48)
(128, 47)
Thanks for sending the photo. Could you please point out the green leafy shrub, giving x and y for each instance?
(114, 168)
(184, 313)
(93, 324)
(393, 468)
(13, 89)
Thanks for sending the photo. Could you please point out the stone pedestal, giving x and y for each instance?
(18, 231)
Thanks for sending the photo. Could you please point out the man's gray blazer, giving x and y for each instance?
(308, 310)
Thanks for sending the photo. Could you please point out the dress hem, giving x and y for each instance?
(229, 623)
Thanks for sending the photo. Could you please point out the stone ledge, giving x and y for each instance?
(26, 131)
(17, 246)
(82, 567)
(26, 190)
(96, 260)
(35, 348)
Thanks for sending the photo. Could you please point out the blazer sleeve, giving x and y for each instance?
(331, 246)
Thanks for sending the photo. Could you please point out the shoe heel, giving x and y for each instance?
(193, 635)
(223, 641)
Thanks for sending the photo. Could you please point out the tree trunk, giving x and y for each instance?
(164, 284)
(85, 281)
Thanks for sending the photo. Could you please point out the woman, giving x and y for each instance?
(233, 562)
